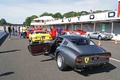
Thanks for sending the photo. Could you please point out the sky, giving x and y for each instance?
(16, 11)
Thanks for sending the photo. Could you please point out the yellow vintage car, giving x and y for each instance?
(39, 36)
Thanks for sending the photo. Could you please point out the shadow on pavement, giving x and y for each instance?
(47, 60)
(18, 38)
(7, 73)
(88, 71)
(9, 51)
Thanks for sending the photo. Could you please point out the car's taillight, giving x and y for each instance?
(78, 59)
(107, 57)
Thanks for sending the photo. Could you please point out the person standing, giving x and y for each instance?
(24, 31)
(59, 30)
(39, 28)
(33, 28)
(9, 32)
(13, 30)
(21, 32)
(54, 32)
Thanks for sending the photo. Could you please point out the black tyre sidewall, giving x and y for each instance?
(63, 66)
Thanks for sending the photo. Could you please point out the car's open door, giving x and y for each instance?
(39, 49)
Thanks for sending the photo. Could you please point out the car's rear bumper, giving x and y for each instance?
(93, 60)
(38, 40)
(108, 37)
(90, 65)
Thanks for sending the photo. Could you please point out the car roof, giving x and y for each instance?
(72, 37)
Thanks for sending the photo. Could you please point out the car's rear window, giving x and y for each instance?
(82, 42)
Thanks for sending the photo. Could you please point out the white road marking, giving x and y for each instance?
(114, 59)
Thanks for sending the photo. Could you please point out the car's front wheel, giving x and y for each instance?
(61, 62)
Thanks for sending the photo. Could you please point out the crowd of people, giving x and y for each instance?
(15, 31)
(54, 32)
(22, 31)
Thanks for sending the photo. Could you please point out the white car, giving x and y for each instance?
(100, 35)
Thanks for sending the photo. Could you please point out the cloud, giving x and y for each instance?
(16, 11)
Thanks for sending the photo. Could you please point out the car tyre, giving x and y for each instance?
(61, 62)
(99, 37)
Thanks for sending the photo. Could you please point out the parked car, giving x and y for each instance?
(39, 36)
(100, 35)
(72, 51)
(81, 32)
(28, 32)
(67, 32)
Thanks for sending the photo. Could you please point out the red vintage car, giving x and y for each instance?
(81, 32)
(66, 31)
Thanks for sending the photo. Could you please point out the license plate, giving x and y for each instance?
(95, 59)
(43, 37)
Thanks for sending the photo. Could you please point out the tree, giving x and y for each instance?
(58, 15)
(70, 14)
(3, 21)
(84, 12)
(99, 11)
(46, 14)
(29, 19)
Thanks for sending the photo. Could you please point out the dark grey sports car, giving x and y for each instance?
(72, 51)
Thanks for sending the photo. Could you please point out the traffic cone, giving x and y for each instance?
(116, 41)
(99, 43)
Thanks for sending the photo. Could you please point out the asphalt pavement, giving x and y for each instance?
(16, 63)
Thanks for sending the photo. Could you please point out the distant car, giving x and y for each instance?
(39, 36)
(72, 51)
(29, 32)
(100, 35)
(67, 32)
(81, 32)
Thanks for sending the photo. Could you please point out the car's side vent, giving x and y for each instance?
(65, 43)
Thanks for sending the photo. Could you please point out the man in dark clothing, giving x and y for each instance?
(9, 32)
(59, 30)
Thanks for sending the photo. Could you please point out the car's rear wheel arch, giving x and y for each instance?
(57, 54)
(60, 60)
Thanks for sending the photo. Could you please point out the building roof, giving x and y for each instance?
(110, 16)
(45, 18)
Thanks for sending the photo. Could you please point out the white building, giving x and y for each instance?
(106, 21)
